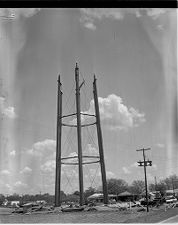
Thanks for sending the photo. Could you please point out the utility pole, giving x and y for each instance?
(100, 144)
(79, 135)
(145, 163)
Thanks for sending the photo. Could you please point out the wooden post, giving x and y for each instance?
(145, 165)
(145, 181)
(79, 135)
(58, 146)
(100, 143)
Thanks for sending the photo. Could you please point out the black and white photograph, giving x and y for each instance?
(88, 115)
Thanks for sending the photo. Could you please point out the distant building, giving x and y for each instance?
(11, 203)
(14, 203)
(127, 196)
(172, 192)
(98, 197)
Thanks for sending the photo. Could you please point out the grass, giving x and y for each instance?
(129, 216)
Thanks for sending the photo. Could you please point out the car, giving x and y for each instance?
(170, 199)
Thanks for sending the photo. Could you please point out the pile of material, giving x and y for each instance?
(119, 206)
(73, 208)
(33, 207)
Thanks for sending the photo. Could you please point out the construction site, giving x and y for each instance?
(88, 115)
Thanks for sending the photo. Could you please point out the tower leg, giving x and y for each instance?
(100, 143)
(58, 147)
(79, 136)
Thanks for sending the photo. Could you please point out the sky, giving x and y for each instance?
(132, 52)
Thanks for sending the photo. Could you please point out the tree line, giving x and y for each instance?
(115, 186)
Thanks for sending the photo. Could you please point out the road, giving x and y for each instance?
(173, 219)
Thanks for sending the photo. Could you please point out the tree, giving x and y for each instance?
(171, 182)
(88, 192)
(137, 187)
(14, 197)
(152, 187)
(161, 186)
(2, 198)
(117, 186)
(76, 193)
(72, 198)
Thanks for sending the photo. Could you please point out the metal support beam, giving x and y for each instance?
(79, 135)
(100, 143)
(58, 146)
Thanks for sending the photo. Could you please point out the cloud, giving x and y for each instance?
(89, 16)
(114, 114)
(26, 170)
(72, 154)
(7, 111)
(160, 145)
(154, 166)
(156, 12)
(12, 153)
(134, 164)
(5, 172)
(91, 151)
(126, 170)
(97, 173)
(49, 166)
(15, 13)
(90, 25)
(20, 184)
(45, 149)
(110, 174)
(129, 169)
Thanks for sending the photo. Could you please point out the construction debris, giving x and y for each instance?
(32, 207)
(38, 207)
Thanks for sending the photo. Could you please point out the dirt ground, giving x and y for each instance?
(129, 216)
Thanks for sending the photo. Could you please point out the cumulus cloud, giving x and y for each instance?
(154, 166)
(6, 111)
(97, 173)
(49, 166)
(160, 145)
(134, 164)
(90, 25)
(110, 174)
(156, 12)
(129, 169)
(12, 153)
(5, 172)
(20, 184)
(114, 114)
(126, 170)
(15, 13)
(26, 170)
(89, 16)
(91, 150)
(72, 154)
(44, 149)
